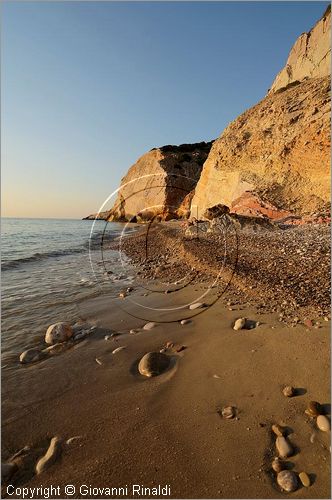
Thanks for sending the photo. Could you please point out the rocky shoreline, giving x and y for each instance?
(282, 269)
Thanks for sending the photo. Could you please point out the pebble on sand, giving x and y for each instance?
(284, 447)
(133, 331)
(277, 429)
(73, 439)
(228, 412)
(314, 409)
(196, 305)
(287, 480)
(239, 324)
(277, 465)
(55, 349)
(288, 391)
(185, 321)
(31, 356)
(50, 456)
(59, 332)
(153, 363)
(323, 423)
(305, 479)
(118, 349)
(149, 326)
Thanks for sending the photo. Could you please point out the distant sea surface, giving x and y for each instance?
(49, 267)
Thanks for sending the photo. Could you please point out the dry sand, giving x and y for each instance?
(166, 430)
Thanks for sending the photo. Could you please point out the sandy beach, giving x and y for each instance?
(168, 430)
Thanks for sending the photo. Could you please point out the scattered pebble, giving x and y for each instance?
(50, 456)
(73, 439)
(133, 331)
(107, 337)
(305, 479)
(239, 324)
(312, 437)
(314, 409)
(55, 349)
(284, 447)
(197, 305)
(99, 361)
(216, 376)
(122, 295)
(288, 391)
(149, 326)
(31, 356)
(118, 349)
(59, 332)
(185, 321)
(287, 480)
(323, 423)
(278, 465)
(277, 429)
(228, 412)
(153, 363)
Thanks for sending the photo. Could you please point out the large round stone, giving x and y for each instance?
(287, 480)
(59, 332)
(153, 363)
(31, 356)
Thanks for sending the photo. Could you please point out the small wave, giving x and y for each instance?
(12, 264)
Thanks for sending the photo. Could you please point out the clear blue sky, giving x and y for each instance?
(89, 87)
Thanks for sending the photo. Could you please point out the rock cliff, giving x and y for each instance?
(310, 56)
(157, 184)
(275, 158)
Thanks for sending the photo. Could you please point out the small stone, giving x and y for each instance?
(55, 349)
(31, 356)
(197, 305)
(149, 326)
(278, 465)
(185, 321)
(118, 349)
(228, 412)
(287, 480)
(178, 347)
(133, 331)
(239, 324)
(107, 337)
(314, 409)
(73, 439)
(122, 295)
(99, 361)
(59, 332)
(288, 391)
(305, 479)
(153, 364)
(283, 446)
(7, 470)
(326, 318)
(277, 429)
(129, 289)
(323, 423)
(50, 456)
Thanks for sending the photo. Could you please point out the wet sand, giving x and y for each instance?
(167, 430)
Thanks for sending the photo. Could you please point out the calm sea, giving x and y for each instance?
(49, 267)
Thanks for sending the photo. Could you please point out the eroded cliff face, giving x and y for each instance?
(157, 184)
(278, 150)
(310, 57)
(275, 158)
